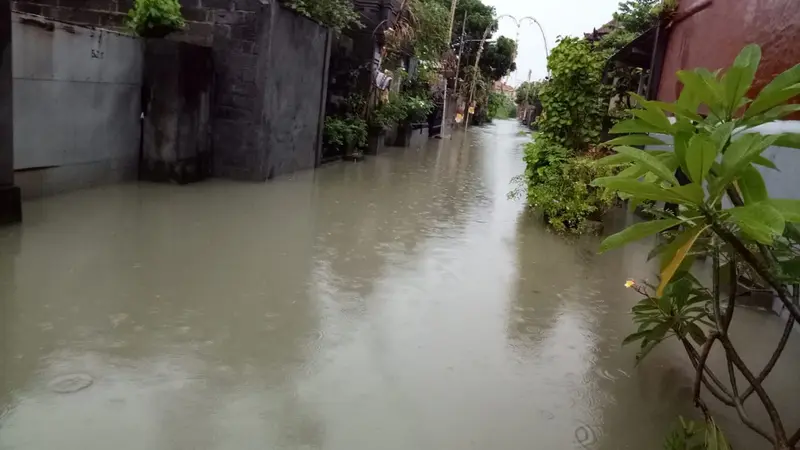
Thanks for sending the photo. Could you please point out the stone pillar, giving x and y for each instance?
(10, 203)
(177, 80)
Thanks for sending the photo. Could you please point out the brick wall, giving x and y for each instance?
(200, 15)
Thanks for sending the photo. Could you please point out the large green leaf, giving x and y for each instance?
(760, 221)
(634, 126)
(634, 139)
(788, 78)
(677, 109)
(684, 243)
(741, 152)
(762, 161)
(698, 86)
(635, 171)
(768, 99)
(791, 140)
(789, 208)
(739, 78)
(752, 186)
(651, 162)
(613, 160)
(681, 146)
(641, 190)
(771, 115)
(654, 117)
(722, 134)
(692, 192)
(636, 232)
(700, 156)
(689, 101)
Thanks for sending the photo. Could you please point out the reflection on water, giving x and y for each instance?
(396, 303)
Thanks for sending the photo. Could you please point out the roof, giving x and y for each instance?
(638, 52)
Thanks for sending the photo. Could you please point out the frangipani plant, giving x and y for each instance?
(712, 170)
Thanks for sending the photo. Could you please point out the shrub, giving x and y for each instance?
(348, 132)
(558, 185)
(155, 18)
(574, 99)
(335, 14)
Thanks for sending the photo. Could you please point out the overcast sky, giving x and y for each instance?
(558, 18)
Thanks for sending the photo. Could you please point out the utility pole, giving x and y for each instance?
(460, 51)
(475, 76)
(449, 40)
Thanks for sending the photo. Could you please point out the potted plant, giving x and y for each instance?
(155, 18)
(347, 134)
(385, 114)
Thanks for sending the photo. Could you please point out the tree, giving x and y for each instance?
(527, 93)
(724, 213)
(431, 20)
(497, 60)
(635, 16)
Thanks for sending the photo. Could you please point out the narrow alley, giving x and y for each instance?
(402, 302)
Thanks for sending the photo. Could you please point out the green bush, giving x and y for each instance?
(155, 18)
(335, 14)
(574, 100)
(346, 133)
(558, 185)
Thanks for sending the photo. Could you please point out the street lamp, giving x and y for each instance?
(519, 22)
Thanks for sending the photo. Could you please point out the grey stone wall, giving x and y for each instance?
(77, 95)
(270, 81)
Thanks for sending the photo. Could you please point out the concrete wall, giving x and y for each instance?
(294, 92)
(111, 14)
(176, 129)
(714, 36)
(270, 81)
(77, 95)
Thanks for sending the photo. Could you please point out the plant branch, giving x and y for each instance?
(700, 367)
(787, 331)
(732, 291)
(775, 418)
(717, 389)
(794, 439)
(715, 288)
(759, 267)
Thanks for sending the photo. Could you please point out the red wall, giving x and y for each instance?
(714, 36)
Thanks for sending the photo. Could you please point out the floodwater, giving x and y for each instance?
(401, 302)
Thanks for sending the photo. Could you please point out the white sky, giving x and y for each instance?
(558, 18)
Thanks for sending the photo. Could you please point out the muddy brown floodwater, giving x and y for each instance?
(399, 303)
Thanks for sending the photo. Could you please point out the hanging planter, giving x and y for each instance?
(155, 18)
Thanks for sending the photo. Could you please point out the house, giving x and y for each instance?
(502, 88)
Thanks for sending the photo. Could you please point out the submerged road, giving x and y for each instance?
(399, 303)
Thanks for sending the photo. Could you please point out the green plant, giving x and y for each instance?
(527, 93)
(388, 112)
(558, 185)
(500, 106)
(417, 108)
(335, 14)
(155, 17)
(574, 100)
(346, 133)
(718, 157)
(694, 436)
